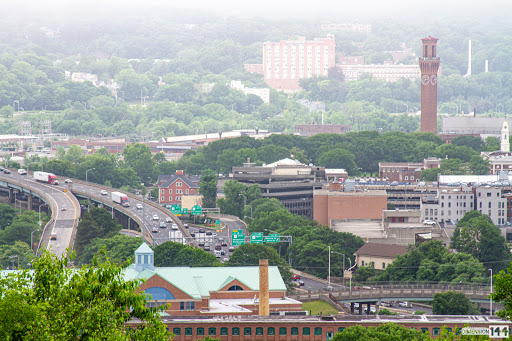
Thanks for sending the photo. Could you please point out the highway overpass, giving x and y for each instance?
(63, 223)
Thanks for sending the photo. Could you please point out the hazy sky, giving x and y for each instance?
(275, 9)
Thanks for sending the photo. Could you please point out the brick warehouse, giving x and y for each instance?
(208, 290)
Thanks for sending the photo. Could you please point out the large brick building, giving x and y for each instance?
(287, 61)
(207, 290)
(172, 188)
(406, 171)
(332, 205)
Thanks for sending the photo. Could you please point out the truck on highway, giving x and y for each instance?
(46, 177)
(120, 198)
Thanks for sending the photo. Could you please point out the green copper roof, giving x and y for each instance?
(199, 282)
(144, 248)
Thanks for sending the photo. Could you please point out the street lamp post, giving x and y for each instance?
(87, 171)
(343, 272)
(32, 240)
(490, 298)
(329, 274)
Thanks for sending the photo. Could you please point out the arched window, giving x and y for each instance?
(433, 51)
(158, 293)
(426, 51)
(235, 288)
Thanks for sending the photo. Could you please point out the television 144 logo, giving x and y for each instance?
(499, 332)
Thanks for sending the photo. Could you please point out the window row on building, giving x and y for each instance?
(178, 191)
(247, 331)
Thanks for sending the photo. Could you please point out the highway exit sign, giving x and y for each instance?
(257, 238)
(176, 210)
(272, 238)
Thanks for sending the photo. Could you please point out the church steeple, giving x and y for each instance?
(144, 258)
(505, 143)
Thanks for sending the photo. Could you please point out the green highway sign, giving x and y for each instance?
(176, 210)
(197, 210)
(272, 238)
(257, 238)
(237, 238)
(184, 211)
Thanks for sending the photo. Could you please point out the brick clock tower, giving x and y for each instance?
(429, 65)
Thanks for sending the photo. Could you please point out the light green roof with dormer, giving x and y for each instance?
(199, 282)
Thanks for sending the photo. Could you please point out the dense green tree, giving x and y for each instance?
(339, 158)
(479, 165)
(453, 303)
(233, 202)
(138, 156)
(479, 237)
(118, 249)
(7, 215)
(389, 332)
(87, 230)
(250, 254)
(208, 188)
(91, 302)
(430, 174)
(166, 253)
(193, 256)
(16, 253)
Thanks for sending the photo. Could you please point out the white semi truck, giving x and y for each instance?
(120, 198)
(49, 178)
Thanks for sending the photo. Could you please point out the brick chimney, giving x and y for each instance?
(264, 294)
(179, 172)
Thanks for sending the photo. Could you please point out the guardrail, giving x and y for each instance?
(377, 293)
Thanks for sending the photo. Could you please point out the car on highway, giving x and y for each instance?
(201, 230)
(207, 247)
(68, 181)
(139, 206)
(104, 192)
(1, 169)
(6, 171)
(201, 243)
(231, 249)
(174, 226)
(63, 208)
(224, 244)
(53, 236)
(225, 259)
(403, 304)
(21, 171)
(155, 217)
(168, 220)
(155, 229)
(209, 233)
(192, 234)
(162, 224)
(222, 252)
(186, 226)
(218, 247)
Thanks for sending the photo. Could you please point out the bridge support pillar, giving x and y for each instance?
(129, 223)
(11, 195)
(29, 201)
(368, 306)
(352, 307)
(360, 308)
(377, 306)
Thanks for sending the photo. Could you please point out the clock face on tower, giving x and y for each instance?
(433, 79)
(425, 79)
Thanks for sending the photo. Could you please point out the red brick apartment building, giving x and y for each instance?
(287, 61)
(406, 172)
(171, 188)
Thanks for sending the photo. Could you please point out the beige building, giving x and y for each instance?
(329, 206)
(380, 255)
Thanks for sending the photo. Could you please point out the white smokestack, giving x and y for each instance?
(468, 74)
(486, 65)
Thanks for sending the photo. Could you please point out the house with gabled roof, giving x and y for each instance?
(172, 188)
(207, 290)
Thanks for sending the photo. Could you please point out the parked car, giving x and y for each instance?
(428, 222)
(162, 224)
(155, 217)
(295, 277)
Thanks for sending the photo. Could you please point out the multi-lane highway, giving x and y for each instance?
(155, 221)
(63, 222)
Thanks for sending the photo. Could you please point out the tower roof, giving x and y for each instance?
(144, 248)
(430, 38)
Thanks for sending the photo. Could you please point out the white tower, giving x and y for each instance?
(468, 74)
(505, 144)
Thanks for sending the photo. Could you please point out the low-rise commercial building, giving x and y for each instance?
(378, 255)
